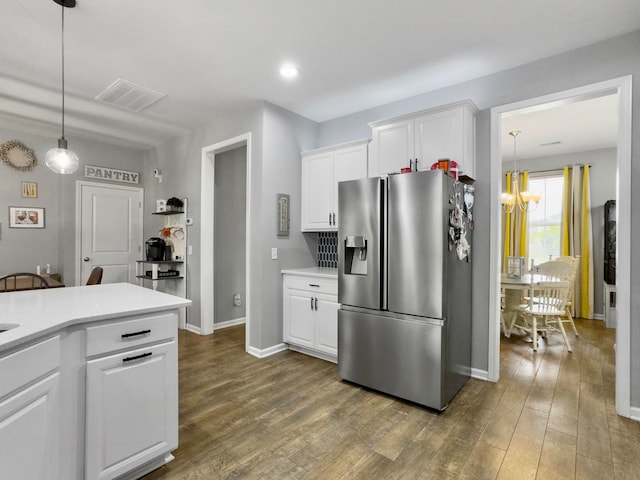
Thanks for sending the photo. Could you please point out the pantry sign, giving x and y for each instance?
(111, 174)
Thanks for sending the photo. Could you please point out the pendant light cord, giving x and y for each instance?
(63, 71)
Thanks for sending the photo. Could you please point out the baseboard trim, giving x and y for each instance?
(229, 323)
(256, 352)
(634, 413)
(314, 353)
(598, 316)
(194, 329)
(480, 374)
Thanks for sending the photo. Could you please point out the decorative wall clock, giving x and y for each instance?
(18, 156)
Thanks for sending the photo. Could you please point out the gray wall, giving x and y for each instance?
(277, 137)
(603, 187)
(22, 250)
(229, 234)
(603, 61)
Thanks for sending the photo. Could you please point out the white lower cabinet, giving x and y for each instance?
(131, 397)
(310, 315)
(327, 324)
(29, 412)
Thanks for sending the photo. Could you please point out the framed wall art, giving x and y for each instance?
(26, 217)
(283, 215)
(29, 190)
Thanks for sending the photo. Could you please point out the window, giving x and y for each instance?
(545, 220)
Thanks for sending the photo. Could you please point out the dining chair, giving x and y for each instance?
(554, 268)
(543, 312)
(22, 281)
(95, 277)
(575, 263)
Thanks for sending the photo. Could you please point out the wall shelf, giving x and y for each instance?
(173, 230)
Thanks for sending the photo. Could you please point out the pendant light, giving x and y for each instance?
(524, 200)
(61, 159)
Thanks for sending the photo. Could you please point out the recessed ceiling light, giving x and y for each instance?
(288, 71)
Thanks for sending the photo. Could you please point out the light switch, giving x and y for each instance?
(274, 253)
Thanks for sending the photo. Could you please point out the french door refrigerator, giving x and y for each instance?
(404, 285)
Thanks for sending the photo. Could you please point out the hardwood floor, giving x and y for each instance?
(289, 416)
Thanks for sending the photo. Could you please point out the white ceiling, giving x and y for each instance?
(575, 126)
(212, 57)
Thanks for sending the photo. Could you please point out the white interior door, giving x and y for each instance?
(110, 231)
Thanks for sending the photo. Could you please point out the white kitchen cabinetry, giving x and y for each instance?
(310, 315)
(29, 412)
(131, 395)
(322, 169)
(425, 137)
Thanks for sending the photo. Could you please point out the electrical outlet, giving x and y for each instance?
(274, 253)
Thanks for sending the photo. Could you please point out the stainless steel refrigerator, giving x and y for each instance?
(404, 285)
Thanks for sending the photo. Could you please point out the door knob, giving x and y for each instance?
(86, 259)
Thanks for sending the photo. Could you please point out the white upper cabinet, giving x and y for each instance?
(425, 137)
(322, 169)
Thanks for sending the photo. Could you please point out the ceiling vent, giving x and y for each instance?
(129, 95)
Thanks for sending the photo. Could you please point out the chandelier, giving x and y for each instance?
(524, 200)
(61, 159)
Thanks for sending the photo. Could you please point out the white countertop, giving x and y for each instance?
(313, 272)
(39, 312)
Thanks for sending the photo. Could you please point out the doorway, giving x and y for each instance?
(622, 86)
(232, 150)
(229, 238)
(109, 218)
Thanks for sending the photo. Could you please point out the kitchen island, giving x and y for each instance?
(88, 382)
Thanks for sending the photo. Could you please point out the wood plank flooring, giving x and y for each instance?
(289, 416)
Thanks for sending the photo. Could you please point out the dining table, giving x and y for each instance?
(24, 283)
(513, 288)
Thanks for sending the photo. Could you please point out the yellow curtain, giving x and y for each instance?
(523, 251)
(577, 234)
(515, 225)
(506, 250)
(587, 248)
(566, 208)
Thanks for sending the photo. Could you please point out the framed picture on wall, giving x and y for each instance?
(29, 190)
(26, 217)
(283, 215)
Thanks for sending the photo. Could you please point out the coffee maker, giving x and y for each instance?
(155, 249)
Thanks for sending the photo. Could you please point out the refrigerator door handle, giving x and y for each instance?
(384, 241)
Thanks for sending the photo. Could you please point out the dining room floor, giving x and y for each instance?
(289, 416)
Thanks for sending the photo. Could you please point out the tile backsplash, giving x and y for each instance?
(328, 249)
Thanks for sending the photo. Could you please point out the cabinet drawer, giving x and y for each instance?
(312, 284)
(131, 333)
(22, 367)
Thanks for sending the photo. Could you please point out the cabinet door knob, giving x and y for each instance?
(311, 303)
(316, 303)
